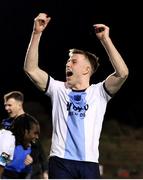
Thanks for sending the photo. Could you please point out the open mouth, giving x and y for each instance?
(69, 73)
(33, 141)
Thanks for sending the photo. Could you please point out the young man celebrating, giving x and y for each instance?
(78, 106)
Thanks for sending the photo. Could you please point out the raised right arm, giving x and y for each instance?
(31, 68)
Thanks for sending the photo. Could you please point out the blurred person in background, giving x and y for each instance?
(13, 102)
(24, 131)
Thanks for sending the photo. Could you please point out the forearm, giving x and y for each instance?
(45, 175)
(1, 171)
(117, 61)
(32, 55)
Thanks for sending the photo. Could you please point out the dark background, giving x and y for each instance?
(71, 27)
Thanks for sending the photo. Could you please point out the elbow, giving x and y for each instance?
(26, 70)
(125, 74)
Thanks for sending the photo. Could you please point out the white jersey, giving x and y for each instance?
(7, 146)
(77, 120)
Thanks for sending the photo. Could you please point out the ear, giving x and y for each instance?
(86, 70)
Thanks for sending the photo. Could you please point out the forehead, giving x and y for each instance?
(35, 128)
(11, 101)
(77, 56)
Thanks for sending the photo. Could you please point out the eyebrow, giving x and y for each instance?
(71, 59)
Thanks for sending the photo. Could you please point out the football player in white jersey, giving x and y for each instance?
(78, 107)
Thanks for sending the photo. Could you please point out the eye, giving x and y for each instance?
(74, 61)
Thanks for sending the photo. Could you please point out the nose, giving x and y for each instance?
(68, 63)
(6, 108)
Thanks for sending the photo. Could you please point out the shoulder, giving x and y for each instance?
(7, 123)
(25, 116)
(54, 85)
(6, 137)
(100, 89)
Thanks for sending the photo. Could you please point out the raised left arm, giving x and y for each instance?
(115, 80)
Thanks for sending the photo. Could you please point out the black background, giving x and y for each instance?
(71, 27)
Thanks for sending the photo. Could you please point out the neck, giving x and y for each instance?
(78, 86)
(20, 113)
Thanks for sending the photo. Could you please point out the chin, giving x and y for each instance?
(11, 116)
(70, 86)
